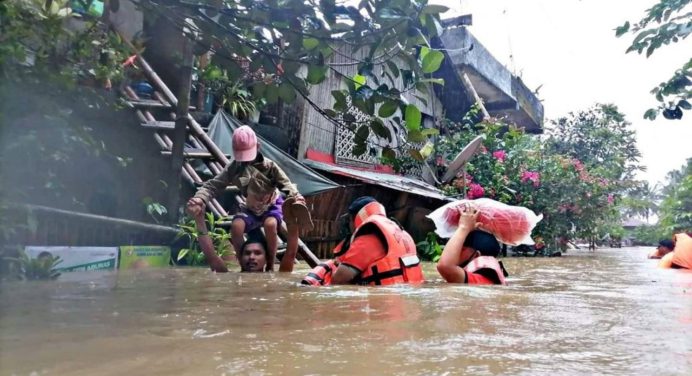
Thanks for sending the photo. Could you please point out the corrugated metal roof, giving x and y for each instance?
(396, 182)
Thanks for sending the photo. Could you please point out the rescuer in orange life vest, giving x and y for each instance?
(470, 254)
(375, 250)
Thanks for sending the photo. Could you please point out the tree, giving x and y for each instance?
(676, 207)
(669, 21)
(573, 178)
(46, 50)
(288, 45)
(600, 138)
(56, 109)
(642, 200)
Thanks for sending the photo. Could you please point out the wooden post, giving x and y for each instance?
(179, 133)
(469, 87)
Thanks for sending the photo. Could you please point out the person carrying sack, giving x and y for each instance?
(261, 182)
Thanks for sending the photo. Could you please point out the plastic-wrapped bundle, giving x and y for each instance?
(511, 225)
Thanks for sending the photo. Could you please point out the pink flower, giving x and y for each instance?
(475, 191)
(585, 177)
(500, 155)
(577, 164)
(611, 199)
(532, 176)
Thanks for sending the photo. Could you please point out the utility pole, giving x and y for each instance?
(180, 131)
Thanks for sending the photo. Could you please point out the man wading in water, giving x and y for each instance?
(375, 251)
(258, 179)
(252, 255)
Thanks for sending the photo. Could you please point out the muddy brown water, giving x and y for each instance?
(610, 312)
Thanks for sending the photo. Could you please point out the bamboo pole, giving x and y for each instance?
(100, 218)
(469, 87)
(195, 127)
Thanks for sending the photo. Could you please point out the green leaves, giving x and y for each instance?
(340, 104)
(362, 134)
(316, 74)
(380, 130)
(393, 68)
(310, 43)
(431, 60)
(272, 94)
(388, 154)
(663, 24)
(360, 139)
(651, 114)
(358, 81)
(412, 116)
(619, 31)
(430, 132)
(388, 109)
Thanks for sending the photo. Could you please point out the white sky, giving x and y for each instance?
(569, 47)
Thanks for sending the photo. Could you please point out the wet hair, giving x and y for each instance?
(483, 242)
(666, 243)
(255, 238)
(359, 203)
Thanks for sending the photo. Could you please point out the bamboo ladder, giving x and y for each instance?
(204, 150)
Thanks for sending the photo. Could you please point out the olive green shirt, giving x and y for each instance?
(239, 176)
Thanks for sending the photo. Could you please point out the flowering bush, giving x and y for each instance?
(577, 199)
(500, 155)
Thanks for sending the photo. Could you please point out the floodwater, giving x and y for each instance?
(610, 312)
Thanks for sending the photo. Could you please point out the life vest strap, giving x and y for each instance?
(315, 276)
(376, 277)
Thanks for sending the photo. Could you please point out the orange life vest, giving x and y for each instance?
(401, 263)
(682, 254)
(489, 267)
(681, 257)
(339, 249)
(321, 275)
(666, 261)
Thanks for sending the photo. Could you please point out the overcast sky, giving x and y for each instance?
(569, 47)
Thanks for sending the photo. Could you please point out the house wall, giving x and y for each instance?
(128, 20)
(319, 133)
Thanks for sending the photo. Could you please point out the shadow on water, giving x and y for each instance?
(611, 312)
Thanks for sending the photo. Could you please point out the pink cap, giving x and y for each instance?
(244, 144)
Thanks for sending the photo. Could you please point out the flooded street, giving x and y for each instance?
(611, 312)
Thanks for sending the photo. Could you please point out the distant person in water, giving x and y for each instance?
(252, 257)
(374, 251)
(470, 254)
(665, 246)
